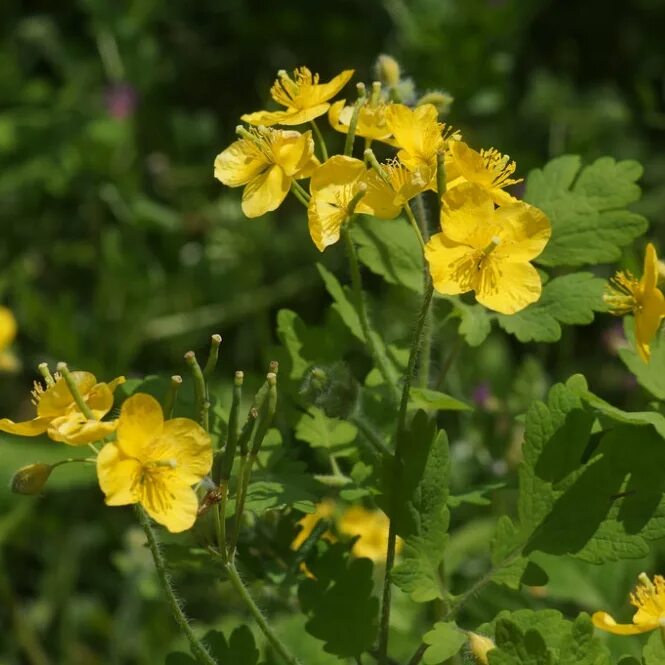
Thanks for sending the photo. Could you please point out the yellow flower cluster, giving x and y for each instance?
(8, 327)
(370, 527)
(144, 459)
(487, 238)
(642, 298)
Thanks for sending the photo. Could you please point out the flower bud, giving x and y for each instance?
(30, 479)
(480, 646)
(442, 100)
(388, 70)
(332, 388)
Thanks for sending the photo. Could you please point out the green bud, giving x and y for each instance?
(442, 100)
(332, 388)
(388, 70)
(30, 479)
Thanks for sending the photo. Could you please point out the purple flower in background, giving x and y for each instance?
(481, 393)
(121, 100)
(614, 338)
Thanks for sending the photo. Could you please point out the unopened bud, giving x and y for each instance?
(442, 100)
(331, 388)
(388, 70)
(30, 479)
(480, 646)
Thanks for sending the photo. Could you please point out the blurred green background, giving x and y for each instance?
(119, 251)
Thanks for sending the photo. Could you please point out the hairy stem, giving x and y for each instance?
(384, 628)
(321, 141)
(199, 651)
(256, 613)
(378, 355)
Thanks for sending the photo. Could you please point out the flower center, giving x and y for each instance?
(621, 296)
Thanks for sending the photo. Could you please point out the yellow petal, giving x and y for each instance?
(76, 430)
(170, 502)
(118, 476)
(337, 176)
(266, 192)
(649, 279)
(27, 428)
(293, 151)
(7, 327)
(57, 400)
(241, 162)
(325, 91)
(452, 266)
(380, 199)
(186, 442)
(647, 321)
(290, 117)
(141, 421)
(604, 621)
(507, 287)
(467, 216)
(416, 131)
(524, 231)
(325, 221)
(100, 400)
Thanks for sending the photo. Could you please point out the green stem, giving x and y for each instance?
(171, 396)
(200, 390)
(353, 124)
(320, 139)
(374, 439)
(426, 353)
(213, 355)
(384, 629)
(300, 193)
(73, 389)
(220, 523)
(379, 357)
(414, 224)
(199, 651)
(241, 590)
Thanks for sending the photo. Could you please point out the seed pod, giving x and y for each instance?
(30, 479)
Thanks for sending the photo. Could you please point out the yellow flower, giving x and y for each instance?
(155, 463)
(8, 361)
(419, 136)
(488, 168)
(322, 511)
(642, 298)
(339, 189)
(59, 415)
(371, 120)
(386, 199)
(372, 528)
(488, 250)
(266, 161)
(649, 599)
(303, 96)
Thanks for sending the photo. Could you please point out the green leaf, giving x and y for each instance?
(649, 375)
(475, 323)
(343, 302)
(320, 431)
(587, 208)
(419, 509)
(339, 603)
(571, 299)
(580, 647)
(390, 249)
(654, 650)
(515, 647)
(600, 406)
(433, 400)
(445, 640)
(475, 497)
(239, 650)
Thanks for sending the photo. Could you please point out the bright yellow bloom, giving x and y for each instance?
(488, 168)
(59, 415)
(488, 250)
(371, 120)
(266, 162)
(8, 361)
(303, 96)
(419, 136)
(371, 526)
(649, 599)
(386, 197)
(336, 188)
(155, 463)
(642, 298)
